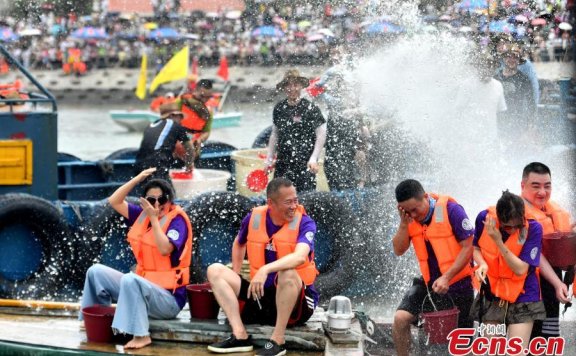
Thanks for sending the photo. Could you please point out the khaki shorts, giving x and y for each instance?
(503, 312)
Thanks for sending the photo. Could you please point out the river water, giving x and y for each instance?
(90, 134)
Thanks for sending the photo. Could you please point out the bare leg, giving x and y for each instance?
(138, 342)
(225, 284)
(401, 331)
(522, 331)
(287, 293)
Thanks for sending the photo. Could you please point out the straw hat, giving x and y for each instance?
(168, 109)
(293, 75)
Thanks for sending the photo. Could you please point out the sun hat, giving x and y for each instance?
(293, 75)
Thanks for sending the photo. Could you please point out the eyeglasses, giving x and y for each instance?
(161, 200)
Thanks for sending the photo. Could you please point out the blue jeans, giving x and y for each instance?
(136, 298)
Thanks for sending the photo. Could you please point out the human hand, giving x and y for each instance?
(313, 167)
(493, 232)
(256, 287)
(268, 166)
(562, 293)
(480, 273)
(149, 209)
(405, 218)
(441, 285)
(145, 174)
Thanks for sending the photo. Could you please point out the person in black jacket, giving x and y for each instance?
(298, 134)
(159, 141)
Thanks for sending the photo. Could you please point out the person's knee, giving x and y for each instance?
(402, 319)
(94, 271)
(289, 278)
(215, 271)
(128, 280)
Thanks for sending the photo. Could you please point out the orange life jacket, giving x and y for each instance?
(439, 234)
(284, 242)
(150, 263)
(553, 218)
(157, 102)
(504, 283)
(193, 120)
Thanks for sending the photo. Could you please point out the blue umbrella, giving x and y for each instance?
(472, 5)
(90, 33)
(7, 35)
(56, 29)
(501, 26)
(267, 31)
(384, 27)
(161, 33)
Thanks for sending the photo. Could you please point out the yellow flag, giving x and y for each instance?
(141, 87)
(176, 68)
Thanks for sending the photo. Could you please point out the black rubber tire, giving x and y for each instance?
(124, 153)
(106, 229)
(215, 212)
(47, 224)
(335, 221)
(67, 157)
(263, 137)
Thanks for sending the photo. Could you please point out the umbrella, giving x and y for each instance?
(162, 33)
(538, 22)
(465, 29)
(192, 36)
(30, 32)
(267, 31)
(473, 5)
(7, 35)
(299, 34)
(315, 37)
(326, 32)
(56, 29)
(233, 15)
(90, 32)
(565, 26)
(150, 25)
(384, 27)
(521, 18)
(304, 24)
(501, 26)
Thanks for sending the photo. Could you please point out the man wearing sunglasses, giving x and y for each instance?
(159, 141)
(161, 239)
(536, 187)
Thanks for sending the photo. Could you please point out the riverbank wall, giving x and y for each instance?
(116, 86)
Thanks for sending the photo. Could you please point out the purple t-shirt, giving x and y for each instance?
(306, 233)
(463, 229)
(177, 234)
(530, 254)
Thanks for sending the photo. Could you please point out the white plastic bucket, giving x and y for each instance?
(251, 159)
(203, 180)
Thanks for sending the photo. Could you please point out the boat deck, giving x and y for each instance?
(46, 332)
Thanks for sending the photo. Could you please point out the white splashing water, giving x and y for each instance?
(426, 84)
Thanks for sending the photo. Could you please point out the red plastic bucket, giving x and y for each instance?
(98, 322)
(202, 302)
(439, 324)
(257, 180)
(560, 249)
(181, 175)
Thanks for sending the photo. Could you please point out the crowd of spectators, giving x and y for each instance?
(272, 35)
